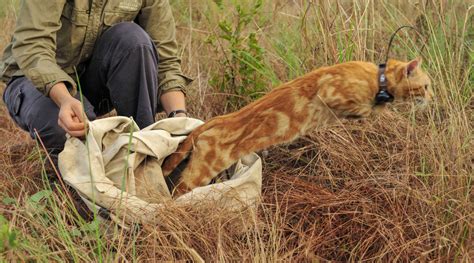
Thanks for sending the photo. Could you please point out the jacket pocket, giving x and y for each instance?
(16, 101)
(75, 16)
(117, 11)
(14, 97)
(112, 18)
(71, 36)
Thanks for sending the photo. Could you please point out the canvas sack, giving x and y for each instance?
(117, 168)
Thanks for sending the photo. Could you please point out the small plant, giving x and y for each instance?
(245, 74)
(8, 236)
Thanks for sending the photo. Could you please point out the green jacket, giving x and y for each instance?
(54, 36)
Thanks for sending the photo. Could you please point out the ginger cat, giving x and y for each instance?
(341, 91)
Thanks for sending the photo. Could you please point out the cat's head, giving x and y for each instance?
(408, 82)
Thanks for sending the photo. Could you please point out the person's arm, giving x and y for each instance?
(34, 43)
(157, 20)
(172, 101)
(34, 50)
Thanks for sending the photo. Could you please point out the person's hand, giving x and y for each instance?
(71, 117)
(71, 113)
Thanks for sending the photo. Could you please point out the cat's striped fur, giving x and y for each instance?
(289, 111)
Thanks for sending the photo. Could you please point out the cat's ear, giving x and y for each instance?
(412, 66)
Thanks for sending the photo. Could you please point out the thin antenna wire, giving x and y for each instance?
(395, 33)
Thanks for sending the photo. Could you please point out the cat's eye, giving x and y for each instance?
(426, 87)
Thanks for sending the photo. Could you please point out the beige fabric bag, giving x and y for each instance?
(118, 167)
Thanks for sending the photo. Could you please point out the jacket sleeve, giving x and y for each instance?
(34, 43)
(157, 20)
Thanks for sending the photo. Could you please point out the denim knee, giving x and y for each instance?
(127, 35)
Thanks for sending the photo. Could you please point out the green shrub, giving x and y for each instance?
(244, 72)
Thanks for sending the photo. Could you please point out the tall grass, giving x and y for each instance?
(395, 187)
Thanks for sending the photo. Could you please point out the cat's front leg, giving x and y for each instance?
(358, 112)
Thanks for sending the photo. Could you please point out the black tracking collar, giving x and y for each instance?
(383, 96)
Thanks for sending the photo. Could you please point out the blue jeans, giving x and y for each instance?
(122, 74)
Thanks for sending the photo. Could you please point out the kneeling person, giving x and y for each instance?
(124, 53)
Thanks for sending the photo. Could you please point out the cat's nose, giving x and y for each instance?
(421, 101)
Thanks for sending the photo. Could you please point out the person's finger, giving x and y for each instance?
(79, 133)
(86, 123)
(72, 125)
(78, 111)
(69, 123)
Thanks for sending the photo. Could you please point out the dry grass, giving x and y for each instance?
(395, 187)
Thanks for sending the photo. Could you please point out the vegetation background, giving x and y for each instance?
(395, 187)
